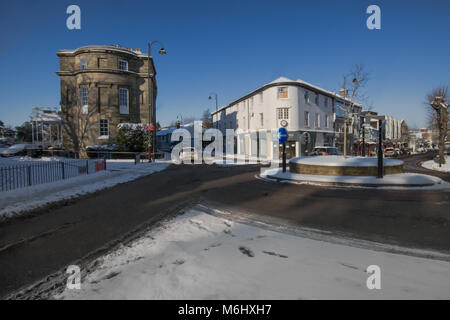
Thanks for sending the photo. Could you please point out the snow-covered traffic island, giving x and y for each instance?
(434, 165)
(350, 171)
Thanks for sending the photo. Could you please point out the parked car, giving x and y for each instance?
(405, 151)
(16, 150)
(421, 149)
(390, 152)
(325, 151)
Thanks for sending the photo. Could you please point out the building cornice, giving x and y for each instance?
(286, 83)
(107, 49)
(100, 49)
(97, 70)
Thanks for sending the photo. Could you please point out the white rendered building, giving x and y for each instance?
(393, 127)
(306, 111)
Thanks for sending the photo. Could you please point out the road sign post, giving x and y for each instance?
(380, 149)
(282, 136)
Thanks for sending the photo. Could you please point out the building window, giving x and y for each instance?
(123, 65)
(262, 119)
(306, 96)
(327, 120)
(123, 98)
(316, 100)
(83, 63)
(317, 120)
(282, 92)
(103, 131)
(306, 118)
(283, 113)
(84, 100)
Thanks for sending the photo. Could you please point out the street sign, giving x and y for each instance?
(282, 135)
(149, 127)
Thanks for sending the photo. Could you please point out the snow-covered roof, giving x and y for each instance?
(281, 79)
(287, 80)
(344, 162)
(116, 48)
(50, 114)
(170, 130)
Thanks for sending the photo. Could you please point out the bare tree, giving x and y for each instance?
(437, 109)
(77, 125)
(359, 78)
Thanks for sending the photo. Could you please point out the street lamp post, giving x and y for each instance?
(151, 105)
(216, 97)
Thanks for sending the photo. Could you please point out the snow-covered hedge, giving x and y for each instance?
(132, 137)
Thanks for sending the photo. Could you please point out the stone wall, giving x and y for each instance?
(103, 79)
(342, 170)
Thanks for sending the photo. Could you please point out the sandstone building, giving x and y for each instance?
(102, 86)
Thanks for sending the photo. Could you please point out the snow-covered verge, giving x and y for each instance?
(200, 256)
(400, 180)
(118, 171)
(14, 161)
(344, 162)
(434, 165)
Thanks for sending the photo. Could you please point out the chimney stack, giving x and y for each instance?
(343, 93)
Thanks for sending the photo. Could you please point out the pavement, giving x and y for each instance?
(48, 240)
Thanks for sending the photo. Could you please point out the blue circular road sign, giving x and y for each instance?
(282, 135)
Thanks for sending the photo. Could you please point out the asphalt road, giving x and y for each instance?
(413, 164)
(49, 240)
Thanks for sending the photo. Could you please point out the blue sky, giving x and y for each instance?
(232, 47)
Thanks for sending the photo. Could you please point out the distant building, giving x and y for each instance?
(306, 111)
(164, 136)
(46, 128)
(102, 86)
(392, 127)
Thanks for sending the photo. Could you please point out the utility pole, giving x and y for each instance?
(348, 110)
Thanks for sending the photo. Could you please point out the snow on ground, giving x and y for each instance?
(14, 161)
(434, 165)
(394, 180)
(118, 171)
(341, 161)
(200, 256)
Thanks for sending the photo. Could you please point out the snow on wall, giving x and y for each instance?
(341, 161)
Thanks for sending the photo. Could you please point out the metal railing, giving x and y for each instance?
(30, 174)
